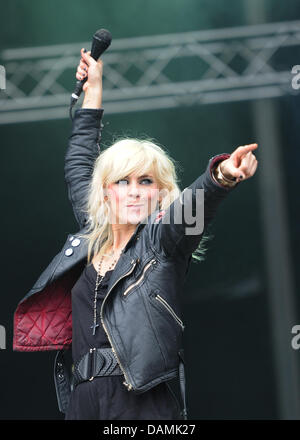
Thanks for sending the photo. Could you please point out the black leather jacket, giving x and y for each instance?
(140, 313)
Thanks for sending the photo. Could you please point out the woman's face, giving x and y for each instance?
(133, 198)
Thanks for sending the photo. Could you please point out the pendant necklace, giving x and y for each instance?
(98, 282)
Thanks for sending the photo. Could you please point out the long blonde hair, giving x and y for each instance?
(124, 157)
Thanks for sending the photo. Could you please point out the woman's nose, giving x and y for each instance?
(133, 189)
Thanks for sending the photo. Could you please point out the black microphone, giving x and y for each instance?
(101, 41)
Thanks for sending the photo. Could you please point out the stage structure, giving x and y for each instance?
(155, 72)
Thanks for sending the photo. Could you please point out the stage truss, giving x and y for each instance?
(156, 72)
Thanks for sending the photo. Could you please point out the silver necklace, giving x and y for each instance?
(98, 282)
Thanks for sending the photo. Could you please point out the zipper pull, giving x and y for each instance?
(127, 385)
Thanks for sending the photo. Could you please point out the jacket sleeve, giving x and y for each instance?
(172, 230)
(83, 149)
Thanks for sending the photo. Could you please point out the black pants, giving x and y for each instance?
(106, 398)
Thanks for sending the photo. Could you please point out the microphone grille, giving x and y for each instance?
(104, 36)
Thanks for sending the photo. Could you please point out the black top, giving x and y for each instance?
(105, 398)
(83, 294)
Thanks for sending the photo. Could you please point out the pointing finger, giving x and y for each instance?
(249, 147)
(242, 151)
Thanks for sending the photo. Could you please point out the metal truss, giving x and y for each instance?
(156, 72)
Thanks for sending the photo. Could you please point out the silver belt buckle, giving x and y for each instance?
(92, 362)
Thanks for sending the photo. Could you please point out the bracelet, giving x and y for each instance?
(222, 179)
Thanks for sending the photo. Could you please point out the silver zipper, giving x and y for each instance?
(141, 277)
(169, 308)
(126, 383)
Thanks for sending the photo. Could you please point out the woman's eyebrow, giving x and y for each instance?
(144, 175)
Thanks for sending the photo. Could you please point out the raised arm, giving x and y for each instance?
(84, 141)
(168, 235)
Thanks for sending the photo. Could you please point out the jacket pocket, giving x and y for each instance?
(141, 278)
(166, 306)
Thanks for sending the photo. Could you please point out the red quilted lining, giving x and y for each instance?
(44, 320)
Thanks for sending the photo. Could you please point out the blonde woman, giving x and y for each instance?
(112, 292)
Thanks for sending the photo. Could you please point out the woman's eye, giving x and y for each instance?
(125, 180)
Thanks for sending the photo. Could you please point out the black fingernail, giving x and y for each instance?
(84, 50)
(241, 176)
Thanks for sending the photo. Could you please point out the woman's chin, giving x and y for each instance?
(132, 218)
(135, 218)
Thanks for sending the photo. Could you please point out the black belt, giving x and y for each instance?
(97, 362)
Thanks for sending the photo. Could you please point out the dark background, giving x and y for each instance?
(230, 369)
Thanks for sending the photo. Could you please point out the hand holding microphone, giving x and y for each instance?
(89, 70)
(89, 73)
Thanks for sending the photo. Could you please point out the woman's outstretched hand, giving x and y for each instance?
(241, 164)
(92, 88)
